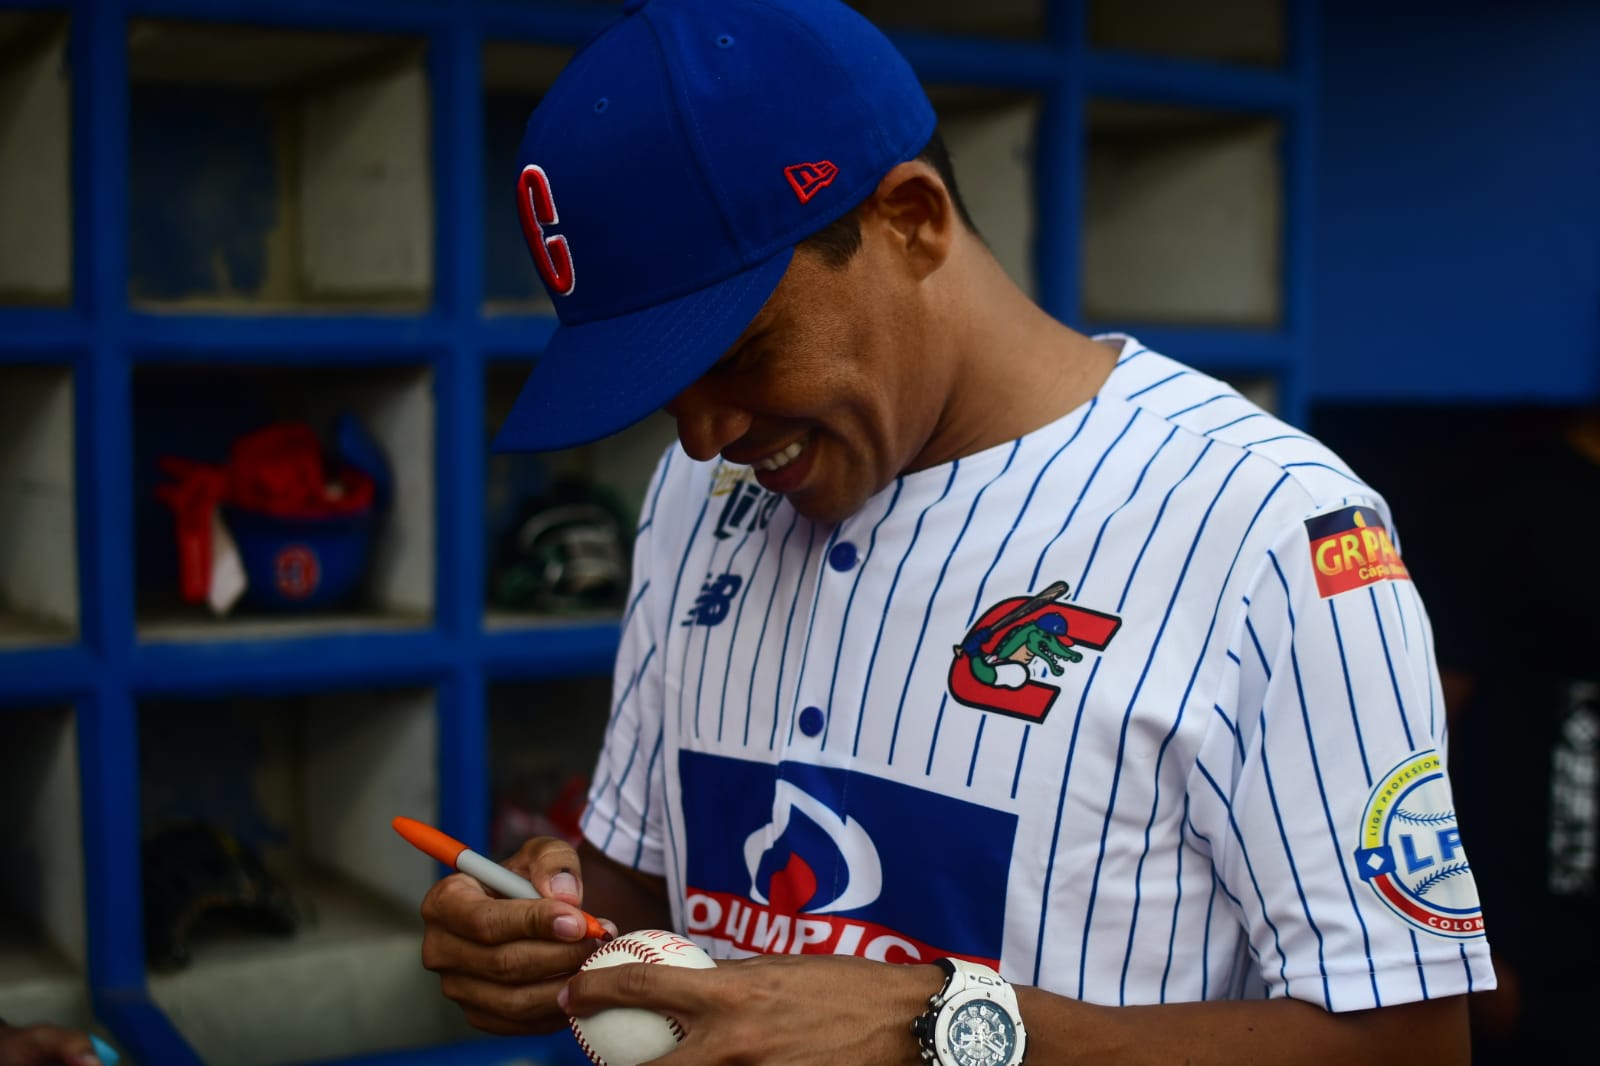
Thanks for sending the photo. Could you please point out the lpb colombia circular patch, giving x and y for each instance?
(1411, 853)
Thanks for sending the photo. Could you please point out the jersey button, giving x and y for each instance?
(811, 721)
(843, 556)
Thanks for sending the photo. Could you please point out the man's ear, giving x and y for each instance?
(917, 214)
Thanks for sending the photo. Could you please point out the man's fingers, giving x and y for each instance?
(552, 866)
(50, 1044)
(674, 989)
(517, 962)
(459, 905)
(505, 1009)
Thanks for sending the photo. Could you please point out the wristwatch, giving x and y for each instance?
(973, 1020)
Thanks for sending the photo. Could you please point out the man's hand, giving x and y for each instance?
(503, 961)
(45, 1045)
(830, 1009)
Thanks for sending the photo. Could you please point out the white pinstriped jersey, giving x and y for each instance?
(1140, 708)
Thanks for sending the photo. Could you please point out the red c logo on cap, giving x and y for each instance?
(537, 209)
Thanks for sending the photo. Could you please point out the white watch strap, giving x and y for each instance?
(965, 981)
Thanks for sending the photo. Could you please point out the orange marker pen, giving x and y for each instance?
(457, 855)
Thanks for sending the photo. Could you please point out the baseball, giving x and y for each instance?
(627, 1036)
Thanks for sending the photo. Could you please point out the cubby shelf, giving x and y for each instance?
(134, 314)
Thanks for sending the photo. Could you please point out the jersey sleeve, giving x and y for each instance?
(624, 817)
(1322, 785)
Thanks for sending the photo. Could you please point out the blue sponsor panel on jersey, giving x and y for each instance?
(800, 859)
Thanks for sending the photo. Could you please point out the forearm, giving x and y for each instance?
(1280, 1032)
(631, 899)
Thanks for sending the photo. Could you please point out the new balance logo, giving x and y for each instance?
(807, 179)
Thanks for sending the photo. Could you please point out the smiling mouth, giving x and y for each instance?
(781, 459)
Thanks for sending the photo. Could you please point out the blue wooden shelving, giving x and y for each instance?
(115, 661)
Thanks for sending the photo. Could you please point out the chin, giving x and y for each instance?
(824, 512)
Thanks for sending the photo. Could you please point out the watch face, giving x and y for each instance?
(981, 1034)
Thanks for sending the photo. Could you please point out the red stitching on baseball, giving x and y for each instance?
(642, 952)
(584, 1044)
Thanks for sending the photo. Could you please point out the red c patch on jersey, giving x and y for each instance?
(1351, 549)
(1003, 662)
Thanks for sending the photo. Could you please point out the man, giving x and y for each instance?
(1211, 824)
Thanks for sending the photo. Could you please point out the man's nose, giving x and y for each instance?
(707, 423)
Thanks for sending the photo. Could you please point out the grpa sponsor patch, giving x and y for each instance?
(1411, 854)
(810, 860)
(1351, 549)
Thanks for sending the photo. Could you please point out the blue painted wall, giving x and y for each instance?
(1457, 251)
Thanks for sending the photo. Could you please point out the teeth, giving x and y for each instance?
(781, 459)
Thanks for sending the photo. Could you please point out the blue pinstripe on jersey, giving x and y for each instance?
(644, 817)
(1156, 385)
(677, 587)
(1229, 425)
(1442, 731)
(664, 467)
(1277, 437)
(977, 744)
(1422, 972)
(849, 603)
(633, 753)
(1322, 792)
(877, 641)
(766, 619)
(1105, 524)
(1250, 870)
(1394, 681)
(1349, 689)
(1055, 837)
(1190, 829)
(788, 630)
(1122, 736)
(738, 615)
(1324, 466)
(983, 584)
(1022, 753)
(980, 594)
(1249, 627)
(927, 611)
(705, 636)
(1205, 403)
(1094, 471)
(811, 631)
(1294, 867)
(1400, 613)
(1150, 535)
(1183, 703)
(1177, 904)
(1232, 728)
(633, 605)
(1205, 930)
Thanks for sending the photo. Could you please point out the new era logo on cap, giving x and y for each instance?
(807, 179)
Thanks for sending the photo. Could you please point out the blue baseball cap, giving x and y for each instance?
(666, 178)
